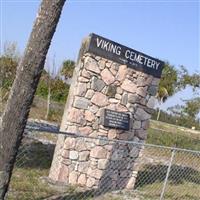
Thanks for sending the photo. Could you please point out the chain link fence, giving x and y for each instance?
(163, 173)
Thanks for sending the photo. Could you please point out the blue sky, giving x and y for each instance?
(168, 30)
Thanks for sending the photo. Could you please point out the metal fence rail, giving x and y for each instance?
(164, 173)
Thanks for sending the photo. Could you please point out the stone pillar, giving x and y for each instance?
(99, 83)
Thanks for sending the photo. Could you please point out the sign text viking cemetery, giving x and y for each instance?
(124, 55)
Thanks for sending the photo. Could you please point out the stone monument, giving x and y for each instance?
(112, 96)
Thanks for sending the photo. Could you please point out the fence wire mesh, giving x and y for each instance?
(160, 172)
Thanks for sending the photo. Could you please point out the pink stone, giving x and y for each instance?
(84, 155)
(112, 134)
(97, 173)
(85, 130)
(80, 145)
(90, 182)
(142, 91)
(72, 129)
(131, 183)
(65, 153)
(69, 143)
(98, 152)
(77, 116)
(107, 76)
(82, 180)
(73, 176)
(121, 108)
(99, 99)
(121, 73)
(85, 74)
(83, 167)
(129, 86)
(113, 71)
(83, 80)
(64, 173)
(89, 116)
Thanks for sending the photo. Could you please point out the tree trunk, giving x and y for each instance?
(21, 96)
(158, 115)
(48, 100)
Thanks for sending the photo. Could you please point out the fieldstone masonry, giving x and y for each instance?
(99, 83)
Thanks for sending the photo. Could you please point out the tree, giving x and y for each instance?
(185, 79)
(49, 83)
(187, 114)
(167, 85)
(67, 69)
(8, 64)
(22, 93)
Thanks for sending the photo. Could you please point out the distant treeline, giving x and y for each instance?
(184, 121)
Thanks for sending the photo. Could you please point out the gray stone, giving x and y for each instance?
(97, 84)
(133, 98)
(102, 163)
(141, 114)
(152, 90)
(91, 65)
(117, 154)
(111, 90)
(73, 155)
(81, 89)
(81, 102)
(84, 155)
(94, 108)
(151, 102)
(155, 81)
(89, 94)
(141, 81)
(134, 152)
(141, 134)
(124, 99)
(136, 124)
(118, 96)
(119, 90)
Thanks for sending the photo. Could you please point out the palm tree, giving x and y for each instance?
(167, 85)
(23, 89)
(67, 69)
(162, 96)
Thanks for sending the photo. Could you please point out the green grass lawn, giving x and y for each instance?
(35, 158)
(178, 139)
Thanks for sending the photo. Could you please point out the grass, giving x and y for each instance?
(178, 139)
(34, 161)
(185, 191)
(35, 158)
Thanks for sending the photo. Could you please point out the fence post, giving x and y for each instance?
(167, 175)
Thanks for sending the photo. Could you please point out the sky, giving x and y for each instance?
(164, 29)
